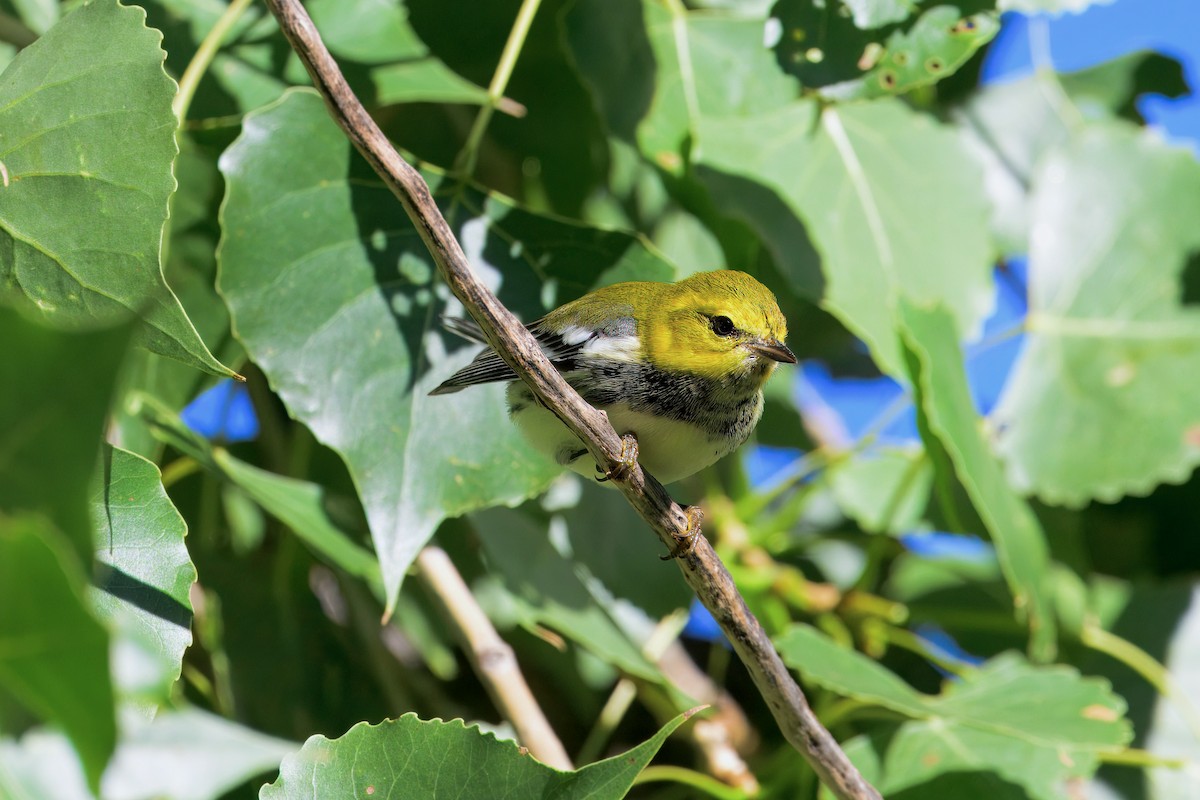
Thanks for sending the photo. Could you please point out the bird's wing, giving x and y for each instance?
(488, 367)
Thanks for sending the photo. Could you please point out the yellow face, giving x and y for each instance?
(720, 325)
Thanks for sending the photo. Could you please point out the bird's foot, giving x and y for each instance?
(686, 542)
(628, 460)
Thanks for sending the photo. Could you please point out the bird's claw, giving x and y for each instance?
(686, 541)
(626, 464)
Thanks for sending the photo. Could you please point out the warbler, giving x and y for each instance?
(680, 366)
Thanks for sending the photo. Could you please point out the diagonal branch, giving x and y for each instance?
(701, 567)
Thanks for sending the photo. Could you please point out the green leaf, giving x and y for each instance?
(302, 507)
(334, 296)
(182, 755)
(377, 32)
(90, 141)
(824, 46)
(57, 387)
(885, 489)
(902, 214)
(1163, 619)
(545, 588)
(1010, 127)
(877, 13)
(654, 71)
(190, 755)
(39, 15)
(409, 757)
(1104, 399)
(143, 574)
(937, 44)
(948, 420)
(1033, 726)
(53, 653)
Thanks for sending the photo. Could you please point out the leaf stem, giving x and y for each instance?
(1133, 757)
(204, 56)
(464, 164)
(688, 777)
(1145, 665)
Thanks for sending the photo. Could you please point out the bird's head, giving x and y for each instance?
(721, 325)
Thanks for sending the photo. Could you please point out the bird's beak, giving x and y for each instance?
(774, 350)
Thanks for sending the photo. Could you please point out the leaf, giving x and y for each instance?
(1009, 127)
(377, 32)
(948, 421)
(938, 43)
(884, 489)
(409, 757)
(1103, 401)
(190, 755)
(39, 15)
(89, 142)
(301, 505)
(57, 387)
(143, 574)
(53, 653)
(545, 589)
(182, 755)
(877, 13)
(1163, 619)
(902, 214)
(865, 55)
(654, 71)
(334, 296)
(190, 265)
(1033, 726)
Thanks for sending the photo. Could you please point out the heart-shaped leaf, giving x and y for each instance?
(86, 153)
(335, 297)
(1105, 399)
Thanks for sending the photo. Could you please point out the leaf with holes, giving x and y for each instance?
(860, 50)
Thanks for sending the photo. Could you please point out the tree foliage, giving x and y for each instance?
(978, 567)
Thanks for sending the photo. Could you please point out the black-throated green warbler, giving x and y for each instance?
(680, 366)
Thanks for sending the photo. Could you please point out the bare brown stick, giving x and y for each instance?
(492, 658)
(701, 567)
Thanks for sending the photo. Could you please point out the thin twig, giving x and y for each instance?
(204, 56)
(464, 164)
(492, 658)
(701, 567)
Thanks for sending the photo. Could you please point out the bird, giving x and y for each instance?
(679, 366)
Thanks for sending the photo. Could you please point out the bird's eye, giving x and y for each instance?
(723, 326)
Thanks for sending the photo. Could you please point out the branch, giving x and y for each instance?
(701, 567)
(492, 658)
